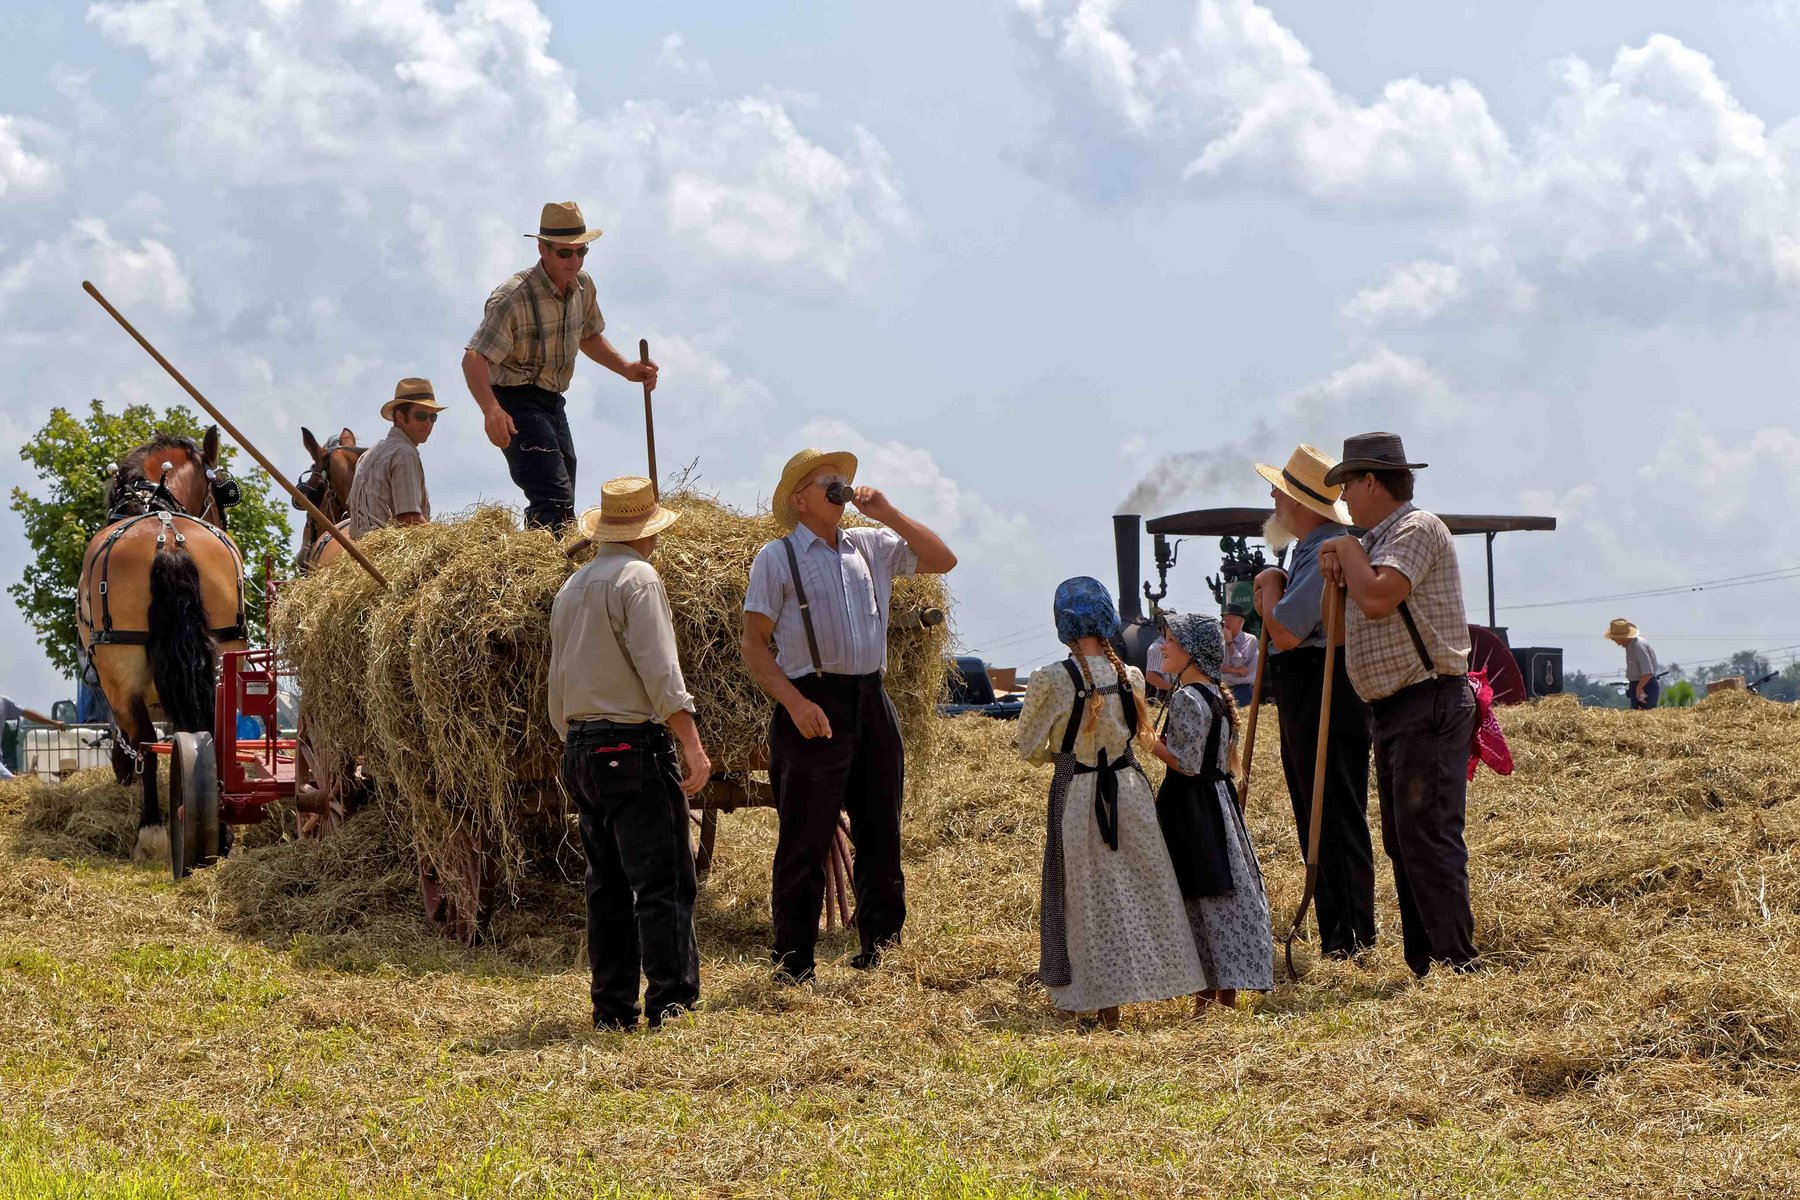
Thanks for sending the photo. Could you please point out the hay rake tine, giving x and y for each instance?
(1256, 697)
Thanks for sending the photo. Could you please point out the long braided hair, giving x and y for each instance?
(1146, 732)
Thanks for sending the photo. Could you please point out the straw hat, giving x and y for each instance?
(801, 467)
(564, 225)
(411, 391)
(628, 511)
(1303, 482)
(1621, 630)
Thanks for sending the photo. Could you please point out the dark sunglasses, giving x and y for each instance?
(427, 416)
(571, 251)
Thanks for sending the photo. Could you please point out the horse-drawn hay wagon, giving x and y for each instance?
(437, 685)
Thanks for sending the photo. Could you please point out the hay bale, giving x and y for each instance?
(439, 684)
(86, 815)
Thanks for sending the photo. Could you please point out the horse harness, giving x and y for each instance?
(106, 634)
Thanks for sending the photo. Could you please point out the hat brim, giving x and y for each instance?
(387, 410)
(580, 239)
(595, 528)
(1331, 512)
(1335, 476)
(791, 480)
(1613, 635)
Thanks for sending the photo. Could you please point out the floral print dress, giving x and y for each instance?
(1114, 929)
(1231, 932)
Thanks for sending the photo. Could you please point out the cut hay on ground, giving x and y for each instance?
(438, 684)
(1635, 1034)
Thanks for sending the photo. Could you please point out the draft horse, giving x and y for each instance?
(161, 594)
(327, 484)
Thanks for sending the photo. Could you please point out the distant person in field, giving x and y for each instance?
(389, 488)
(522, 359)
(1641, 685)
(1239, 670)
(820, 595)
(1155, 682)
(618, 699)
(12, 716)
(1407, 649)
(1113, 929)
(1308, 513)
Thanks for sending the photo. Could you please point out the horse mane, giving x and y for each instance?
(130, 470)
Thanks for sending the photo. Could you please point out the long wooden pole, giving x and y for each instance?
(649, 423)
(325, 522)
(1256, 695)
(1332, 606)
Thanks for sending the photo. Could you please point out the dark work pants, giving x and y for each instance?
(1422, 736)
(640, 870)
(860, 768)
(541, 457)
(1344, 904)
(1652, 693)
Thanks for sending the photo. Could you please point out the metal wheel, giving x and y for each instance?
(455, 891)
(194, 839)
(321, 791)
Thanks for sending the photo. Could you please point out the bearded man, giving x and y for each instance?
(1308, 513)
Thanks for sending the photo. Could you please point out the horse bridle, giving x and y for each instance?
(222, 492)
(316, 484)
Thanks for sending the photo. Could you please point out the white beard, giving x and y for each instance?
(1276, 536)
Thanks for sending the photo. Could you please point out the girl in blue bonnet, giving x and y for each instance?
(1114, 929)
(1214, 858)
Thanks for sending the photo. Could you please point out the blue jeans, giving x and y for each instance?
(1652, 693)
(541, 458)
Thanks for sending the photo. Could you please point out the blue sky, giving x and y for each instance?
(1018, 255)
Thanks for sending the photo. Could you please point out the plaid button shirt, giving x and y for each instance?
(530, 334)
(1380, 655)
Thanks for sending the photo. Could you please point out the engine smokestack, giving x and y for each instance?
(1127, 534)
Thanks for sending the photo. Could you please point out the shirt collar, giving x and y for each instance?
(540, 279)
(806, 539)
(1375, 535)
(617, 548)
(1322, 533)
(396, 434)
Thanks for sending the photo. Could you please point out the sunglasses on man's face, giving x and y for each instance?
(571, 251)
(428, 418)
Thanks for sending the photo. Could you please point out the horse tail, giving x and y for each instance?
(180, 647)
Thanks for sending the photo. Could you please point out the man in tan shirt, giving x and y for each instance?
(389, 487)
(616, 696)
(1406, 642)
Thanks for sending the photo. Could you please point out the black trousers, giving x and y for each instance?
(1344, 904)
(541, 458)
(640, 870)
(861, 769)
(1422, 736)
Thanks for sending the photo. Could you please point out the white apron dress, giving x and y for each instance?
(1114, 929)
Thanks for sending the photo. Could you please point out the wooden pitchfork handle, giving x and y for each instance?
(649, 424)
(1256, 695)
(1332, 605)
(325, 522)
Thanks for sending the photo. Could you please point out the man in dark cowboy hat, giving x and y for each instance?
(821, 593)
(1308, 511)
(1407, 651)
(522, 359)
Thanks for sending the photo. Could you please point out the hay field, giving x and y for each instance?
(282, 1025)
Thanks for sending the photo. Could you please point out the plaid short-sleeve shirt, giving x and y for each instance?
(529, 334)
(1380, 655)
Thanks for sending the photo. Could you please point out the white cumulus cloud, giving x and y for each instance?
(28, 170)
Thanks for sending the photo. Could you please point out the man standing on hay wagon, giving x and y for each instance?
(616, 696)
(822, 594)
(1406, 641)
(389, 488)
(522, 359)
(1288, 599)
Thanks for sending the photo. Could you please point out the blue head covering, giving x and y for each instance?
(1084, 608)
(1202, 637)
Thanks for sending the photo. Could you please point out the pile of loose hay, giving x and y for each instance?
(439, 683)
(85, 815)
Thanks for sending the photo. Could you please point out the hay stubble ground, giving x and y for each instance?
(284, 1025)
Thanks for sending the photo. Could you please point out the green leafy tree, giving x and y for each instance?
(73, 457)
(1595, 693)
(1679, 694)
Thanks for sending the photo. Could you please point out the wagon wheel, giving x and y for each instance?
(193, 803)
(839, 895)
(321, 790)
(446, 908)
